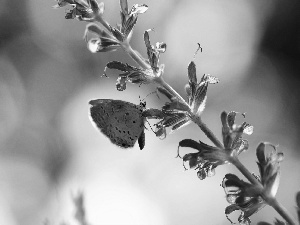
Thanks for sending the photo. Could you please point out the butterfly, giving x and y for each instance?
(122, 122)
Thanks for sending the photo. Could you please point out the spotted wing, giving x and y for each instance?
(122, 122)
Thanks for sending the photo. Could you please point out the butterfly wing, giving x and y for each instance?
(122, 122)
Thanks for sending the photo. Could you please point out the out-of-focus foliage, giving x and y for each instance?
(48, 148)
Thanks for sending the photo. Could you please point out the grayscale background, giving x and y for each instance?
(49, 150)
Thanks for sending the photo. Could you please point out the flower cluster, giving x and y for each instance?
(250, 198)
(232, 133)
(139, 75)
(208, 157)
(112, 38)
(178, 114)
(84, 10)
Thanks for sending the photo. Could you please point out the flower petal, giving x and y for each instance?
(138, 9)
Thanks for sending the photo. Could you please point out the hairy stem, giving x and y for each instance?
(236, 162)
(135, 56)
(282, 211)
(103, 22)
(197, 119)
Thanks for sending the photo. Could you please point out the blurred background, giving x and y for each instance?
(49, 150)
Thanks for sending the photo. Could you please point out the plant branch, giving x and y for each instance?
(135, 56)
(282, 211)
(236, 162)
(197, 119)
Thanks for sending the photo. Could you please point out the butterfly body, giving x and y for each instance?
(122, 122)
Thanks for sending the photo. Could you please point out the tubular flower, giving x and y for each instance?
(242, 196)
(104, 42)
(269, 168)
(205, 160)
(208, 158)
(232, 133)
(83, 10)
(153, 52)
(178, 114)
(128, 19)
(247, 197)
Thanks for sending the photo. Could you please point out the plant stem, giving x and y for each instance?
(236, 162)
(197, 119)
(282, 211)
(135, 56)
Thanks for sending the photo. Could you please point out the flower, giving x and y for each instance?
(250, 198)
(133, 74)
(129, 18)
(232, 133)
(242, 196)
(178, 114)
(153, 52)
(208, 158)
(113, 38)
(269, 168)
(205, 160)
(104, 42)
(84, 10)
